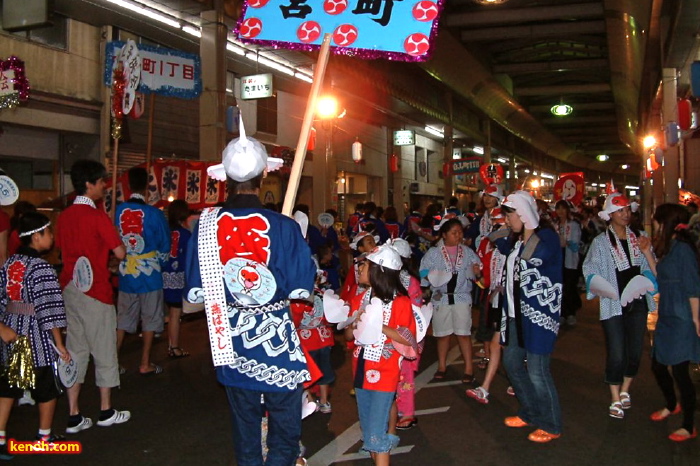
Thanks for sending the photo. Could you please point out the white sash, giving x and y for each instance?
(211, 271)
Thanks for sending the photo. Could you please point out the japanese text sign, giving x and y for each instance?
(258, 86)
(7, 85)
(395, 29)
(470, 165)
(163, 71)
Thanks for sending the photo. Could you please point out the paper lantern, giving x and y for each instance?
(671, 132)
(311, 144)
(685, 114)
(447, 169)
(357, 151)
(393, 163)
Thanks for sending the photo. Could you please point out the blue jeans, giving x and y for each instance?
(373, 408)
(624, 340)
(284, 425)
(533, 384)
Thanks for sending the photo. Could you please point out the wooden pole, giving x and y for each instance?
(298, 165)
(115, 169)
(149, 140)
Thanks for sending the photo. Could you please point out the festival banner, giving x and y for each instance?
(570, 187)
(468, 165)
(398, 30)
(163, 71)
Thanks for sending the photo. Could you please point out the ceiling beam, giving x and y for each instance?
(520, 15)
(548, 66)
(541, 30)
(565, 89)
(574, 120)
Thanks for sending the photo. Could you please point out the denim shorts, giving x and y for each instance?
(373, 407)
(322, 358)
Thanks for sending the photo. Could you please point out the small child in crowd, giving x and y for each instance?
(376, 366)
(31, 304)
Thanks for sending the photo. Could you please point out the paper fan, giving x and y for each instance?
(369, 327)
(347, 321)
(334, 308)
(601, 287)
(637, 287)
(422, 315)
(437, 278)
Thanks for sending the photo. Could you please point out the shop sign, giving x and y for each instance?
(258, 86)
(468, 165)
(404, 138)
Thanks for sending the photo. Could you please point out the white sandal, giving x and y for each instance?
(615, 410)
(625, 400)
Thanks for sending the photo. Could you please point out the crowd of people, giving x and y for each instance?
(279, 282)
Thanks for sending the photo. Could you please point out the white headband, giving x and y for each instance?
(30, 233)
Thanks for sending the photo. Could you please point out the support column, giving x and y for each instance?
(447, 158)
(671, 168)
(212, 102)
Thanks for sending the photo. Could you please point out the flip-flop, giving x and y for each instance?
(156, 371)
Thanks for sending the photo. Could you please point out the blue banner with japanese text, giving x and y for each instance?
(394, 29)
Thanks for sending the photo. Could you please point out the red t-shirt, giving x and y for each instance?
(383, 376)
(84, 231)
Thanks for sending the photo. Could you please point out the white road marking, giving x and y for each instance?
(335, 450)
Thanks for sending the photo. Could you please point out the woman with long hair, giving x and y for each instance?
(617, 261)
(677, 335)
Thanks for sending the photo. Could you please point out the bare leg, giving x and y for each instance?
(46, 411)
(443, 345)
(73, 395)
(323, 389)
(494, 361)
(626, 382)
(174, 326)
(381, 459)
(146, 351)
(615, 392)
(105, 398)
(120, 339)
(5, 409)
(465, 347)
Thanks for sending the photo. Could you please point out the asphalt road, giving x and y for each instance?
(181, 416)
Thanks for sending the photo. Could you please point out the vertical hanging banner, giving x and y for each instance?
(163, 71)
(401, 30)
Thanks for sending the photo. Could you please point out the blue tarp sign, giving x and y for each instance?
(470, 165)
(164, 71)
(394, 29)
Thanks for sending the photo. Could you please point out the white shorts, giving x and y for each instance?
(451, 319)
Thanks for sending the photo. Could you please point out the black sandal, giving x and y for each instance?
(175, 352)
(439, 375)
(468, 378)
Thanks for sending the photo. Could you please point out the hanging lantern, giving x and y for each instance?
(447, 169)
(685, 114)
(357, 151)
(311, 143)
(651, 163)
(671, 132)
(393, 163)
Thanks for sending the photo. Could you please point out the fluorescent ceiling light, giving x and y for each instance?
(193, 31)
(527, 170)
(602, 157)
(501, 160)
(434, 131)
(235, 49)
(632, 187)
(561, 109)
(548, 176)
(303, 77)
(624, 166)
(478, 150)
(146, 12)
(595, 185)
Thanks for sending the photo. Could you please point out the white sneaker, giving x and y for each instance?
(117, 417)
(325, 408)
(26, 399)
(84, 424)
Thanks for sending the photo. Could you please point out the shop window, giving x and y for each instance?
(267, 115)
(30, 174)
(55, 35)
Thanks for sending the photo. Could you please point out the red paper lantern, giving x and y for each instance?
(447, 169)
(491, 173)
(311, 143)
(393, 163)
(569, 187)
(685, 114)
